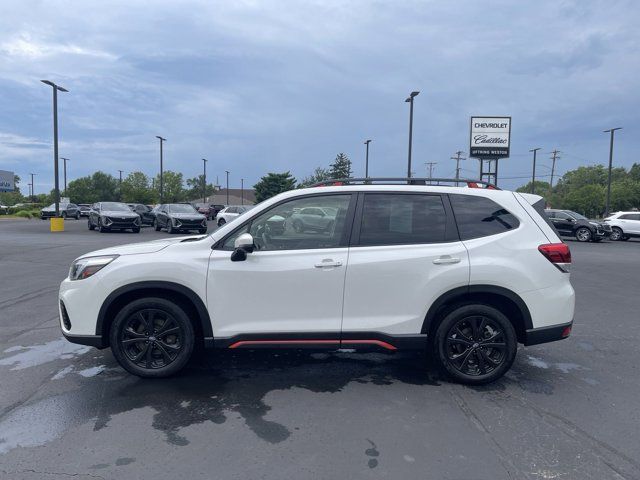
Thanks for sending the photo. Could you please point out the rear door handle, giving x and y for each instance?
(328, 263)
(446, 260)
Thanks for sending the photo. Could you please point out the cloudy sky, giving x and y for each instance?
(258, 86)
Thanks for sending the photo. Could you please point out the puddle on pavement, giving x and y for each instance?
(31, 356)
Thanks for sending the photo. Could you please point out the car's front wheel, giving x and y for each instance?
(90, 225)
(156, 225)
(616, 234)
(583, 234)
(475, 344)
(152, 338)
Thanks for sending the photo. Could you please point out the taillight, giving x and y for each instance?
(558, 254)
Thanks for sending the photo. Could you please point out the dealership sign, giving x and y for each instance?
(6, 181)
(490, 137)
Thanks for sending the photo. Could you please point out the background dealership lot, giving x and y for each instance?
(566, 410)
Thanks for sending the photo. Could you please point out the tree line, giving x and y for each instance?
(584, 190)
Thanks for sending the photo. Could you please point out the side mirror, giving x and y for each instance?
(243, 245)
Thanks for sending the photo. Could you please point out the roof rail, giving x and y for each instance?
(410, 181)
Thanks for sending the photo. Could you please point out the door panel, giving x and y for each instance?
(277, 291)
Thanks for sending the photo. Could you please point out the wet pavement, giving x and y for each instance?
(567, 410)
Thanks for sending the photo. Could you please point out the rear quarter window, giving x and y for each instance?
(481, 217)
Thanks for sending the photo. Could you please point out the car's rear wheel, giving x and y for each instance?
(152, 338)
(616, 234)
(475, 344)
(221, 222)
(583, 234)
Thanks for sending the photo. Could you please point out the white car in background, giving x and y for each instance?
(313, 218)
(624, 225)
(229, 213)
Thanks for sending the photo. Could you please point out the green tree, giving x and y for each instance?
(341, 167)
(319, 174)
(625, 195)
(99, 187)
(172, 186)
(194, 188)
(136, 188)
(634, 172)
(588, 200)
(272, 184)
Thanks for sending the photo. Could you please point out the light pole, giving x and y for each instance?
(410, 101)
(606, 208)
(204, 181)
(55, 141)
(33, 188)
(366, 162)
(533, 174)
(227, 172)
(64, 169)
(162, 140)
(120, 185)
(242, 191)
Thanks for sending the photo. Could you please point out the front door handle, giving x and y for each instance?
(328, 263)
(446, 260)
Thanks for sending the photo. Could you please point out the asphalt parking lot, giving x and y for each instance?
(566, 410)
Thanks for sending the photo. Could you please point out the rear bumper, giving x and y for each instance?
(536, 336)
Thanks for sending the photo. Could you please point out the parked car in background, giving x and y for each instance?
(85, 208)
(229, 213)
(146, 217)
(108, 216)
(624, 225)
(204, 209)
(572, 224)
(179, 217)
(313, 218)
(67, 210)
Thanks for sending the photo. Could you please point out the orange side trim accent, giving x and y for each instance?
(380, 343)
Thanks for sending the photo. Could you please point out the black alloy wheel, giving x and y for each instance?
(152, 337)
(476, 344)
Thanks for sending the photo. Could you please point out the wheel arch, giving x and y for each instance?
(505, 300)
(189, 300)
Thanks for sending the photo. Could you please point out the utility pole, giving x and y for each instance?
(366, 163)
(430, 165)
(65, 160)
(33, 188)
(227, 172)
(30, 196)
(204, 181)
(120, 185)
(56, 88)
(162, 140)
(606, 209)
(554, 157)
(457, 158)
(533, 175)
(242, 191)
(410, 101)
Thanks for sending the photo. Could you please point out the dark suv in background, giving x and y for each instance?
(179, 217)
(146, 217)
(107, 216)
(572, 224)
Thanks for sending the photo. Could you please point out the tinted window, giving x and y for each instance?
(480, 217)
(630, 216)
(393, 219)
(283, 227)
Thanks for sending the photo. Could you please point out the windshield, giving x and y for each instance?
(577, 215)
(115, 207)
(181, 208)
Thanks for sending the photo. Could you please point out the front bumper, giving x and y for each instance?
(89, 340)
(553, 333)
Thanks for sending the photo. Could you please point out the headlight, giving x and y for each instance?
(204, 222)
(176, 222)
(106, 221)
(85, 267)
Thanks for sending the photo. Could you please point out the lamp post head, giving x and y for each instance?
(612, 129)
(51, 84)
(161, 139)
(535, 149)
(411, 95)
(367, 142)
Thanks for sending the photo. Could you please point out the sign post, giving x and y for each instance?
(489, 140)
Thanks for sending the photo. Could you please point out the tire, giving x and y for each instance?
(152, 354)
(455, 339)
(78, 216)
(170, 229)
(616, 234)
(90, 225)
(64, 215)
(101, 229)
(156, 225)
(221, 222)
(297, 226)
(625, 238)
(583, 234)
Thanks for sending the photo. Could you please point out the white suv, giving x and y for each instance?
(624, 225)
(465, 272)
(229, 213)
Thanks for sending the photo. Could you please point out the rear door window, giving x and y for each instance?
(402, 219)
(481, 217)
